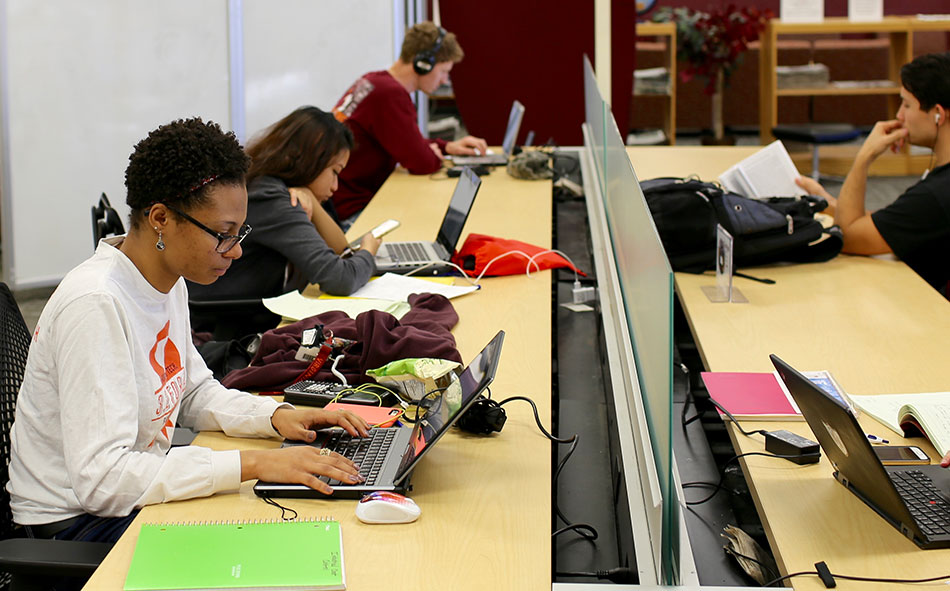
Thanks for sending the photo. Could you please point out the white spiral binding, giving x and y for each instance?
(243, 521)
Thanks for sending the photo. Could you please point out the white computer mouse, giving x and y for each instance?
(387, 507)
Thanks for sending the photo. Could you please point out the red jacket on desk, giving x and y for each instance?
(379, 112)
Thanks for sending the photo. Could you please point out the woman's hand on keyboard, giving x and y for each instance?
(298, 424)
(300, 464)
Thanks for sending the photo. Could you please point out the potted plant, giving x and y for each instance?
(711, 44)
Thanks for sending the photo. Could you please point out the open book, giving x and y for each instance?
(912, 415)
(769, 172)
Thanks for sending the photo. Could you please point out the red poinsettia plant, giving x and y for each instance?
(713, 42)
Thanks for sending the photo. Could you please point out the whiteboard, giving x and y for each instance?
(82, 82)
(306, 52)
(85, 82)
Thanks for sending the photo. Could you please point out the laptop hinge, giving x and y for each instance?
(441, 251)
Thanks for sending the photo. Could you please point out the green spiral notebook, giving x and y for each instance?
(305, 554)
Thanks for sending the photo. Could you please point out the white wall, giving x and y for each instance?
(82, 82)
(296, 55)
(85, 81)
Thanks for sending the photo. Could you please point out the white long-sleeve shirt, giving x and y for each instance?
(110, 370)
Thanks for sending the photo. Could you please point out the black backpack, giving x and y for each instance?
(776, 229)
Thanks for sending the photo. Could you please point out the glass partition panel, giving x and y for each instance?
(596, 116)
(646, 282)
(646, 285)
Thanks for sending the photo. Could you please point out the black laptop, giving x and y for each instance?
(914, 499)
(387, 457)
(403, 257)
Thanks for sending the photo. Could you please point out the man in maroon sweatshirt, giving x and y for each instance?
(379, 111)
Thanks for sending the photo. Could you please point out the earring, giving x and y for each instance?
(160, 245)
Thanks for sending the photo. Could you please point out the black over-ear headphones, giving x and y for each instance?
(424, 61)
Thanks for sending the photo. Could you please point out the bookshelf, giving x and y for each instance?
(899, 31)
(664, 33)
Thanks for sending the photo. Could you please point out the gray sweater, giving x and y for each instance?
(283, 234)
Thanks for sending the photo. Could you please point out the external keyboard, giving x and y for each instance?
(314, 387)
(312, 392)
(925, 501)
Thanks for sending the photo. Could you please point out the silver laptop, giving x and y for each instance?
(914, 499)
(507, 145)
(403, 257)
(387, 457)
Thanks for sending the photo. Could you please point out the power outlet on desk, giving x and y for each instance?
(583, 294)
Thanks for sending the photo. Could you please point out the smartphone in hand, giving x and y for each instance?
(378, 232)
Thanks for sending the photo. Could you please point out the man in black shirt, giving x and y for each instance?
(916, 227)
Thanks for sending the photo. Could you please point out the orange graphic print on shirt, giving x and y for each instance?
(352, 99)
(170, 373)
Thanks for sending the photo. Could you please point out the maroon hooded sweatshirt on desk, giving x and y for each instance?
(425, 331)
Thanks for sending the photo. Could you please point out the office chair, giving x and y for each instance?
(231, 319)
(105, 221)
(816, 134)
(28, 564)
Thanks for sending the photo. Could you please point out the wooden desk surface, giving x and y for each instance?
(877, 326)
(879, 329)
(486, 501)
(874, 323)
(678, 161)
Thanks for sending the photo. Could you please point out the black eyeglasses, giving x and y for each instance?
(225, 241)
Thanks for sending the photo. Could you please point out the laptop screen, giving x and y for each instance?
(459, 207)
(514, 125)
(845, 443)
(443, 409)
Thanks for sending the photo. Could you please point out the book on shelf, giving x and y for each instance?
(305, 554)
(852, 84)
(769, 172)
(912, 415)
(763, 396)
(805, 76)
(651, 81)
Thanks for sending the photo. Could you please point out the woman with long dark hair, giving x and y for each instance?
(293, 246)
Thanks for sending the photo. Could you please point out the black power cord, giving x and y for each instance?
(620, 574)
(585, 530)
(768, 567)
(690, 398)
(828, 578)
(736, 421)
(722, 473)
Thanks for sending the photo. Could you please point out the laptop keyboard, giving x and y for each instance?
(928, 506)
(369, 453)
(402, 252)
